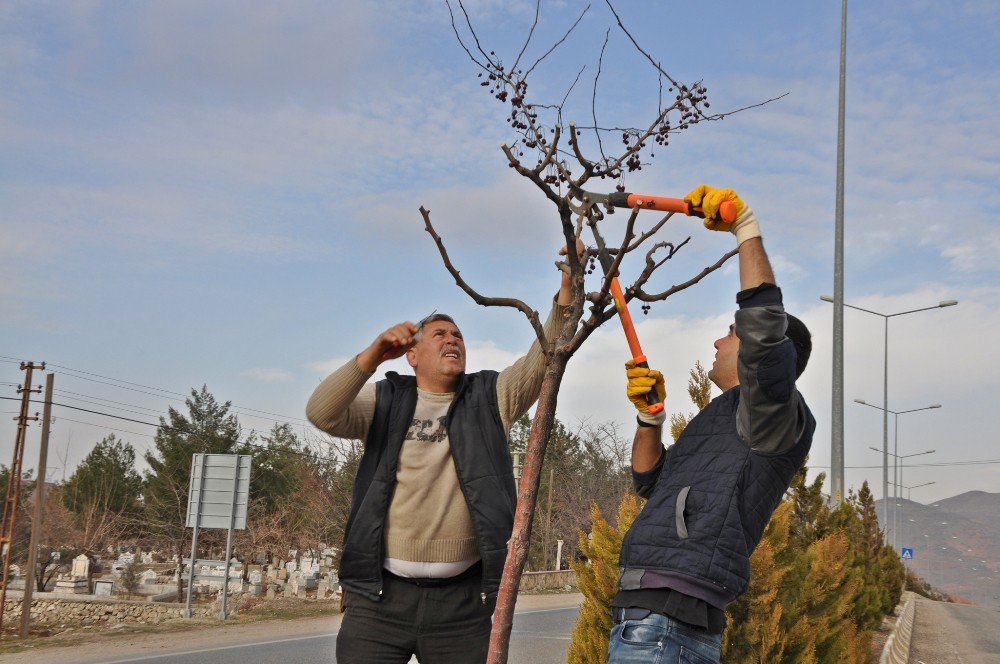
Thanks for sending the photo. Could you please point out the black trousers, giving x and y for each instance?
(440, 624)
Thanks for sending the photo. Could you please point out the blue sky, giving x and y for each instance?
(226, 193)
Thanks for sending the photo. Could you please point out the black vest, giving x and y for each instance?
(480, 450)
(709, 508)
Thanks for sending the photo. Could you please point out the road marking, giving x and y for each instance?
(565, 608)
(200, 650)
(540, 635)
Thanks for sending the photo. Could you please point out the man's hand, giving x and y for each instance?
(389, 345)
(709, 199)
(641, 380)
(565, 288)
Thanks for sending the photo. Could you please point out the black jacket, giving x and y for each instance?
(709, 508)
(480, 450)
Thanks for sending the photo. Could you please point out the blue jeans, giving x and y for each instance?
(659, 639)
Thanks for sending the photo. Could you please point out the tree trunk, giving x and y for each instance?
(517, 548)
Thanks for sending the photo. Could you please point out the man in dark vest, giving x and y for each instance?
(433, 501)
(710, 495)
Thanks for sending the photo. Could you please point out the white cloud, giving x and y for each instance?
(976, 255)
(269, 375)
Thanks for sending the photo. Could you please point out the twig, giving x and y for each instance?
(472, 30)
(556, 45)
(636, 289)
(514, 303)
(620, 254)
(593, 98)
(461, 43)
(566, 96)
(538, 6)
(650, 233)
(636, 44)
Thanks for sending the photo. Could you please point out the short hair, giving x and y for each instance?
(802, 340)
(432, 318)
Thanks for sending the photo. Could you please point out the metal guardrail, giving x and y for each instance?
(897, 647)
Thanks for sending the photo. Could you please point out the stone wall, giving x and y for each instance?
(548, 580)
(55, 609)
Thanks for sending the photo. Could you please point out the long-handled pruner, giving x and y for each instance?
(589, 208)
(727, 211)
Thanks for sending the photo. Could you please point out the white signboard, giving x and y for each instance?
(219, 490)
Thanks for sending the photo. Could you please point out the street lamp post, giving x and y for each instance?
(909, 488)
(915, 486)
(897, 471)
(837, 456)
(895, 502)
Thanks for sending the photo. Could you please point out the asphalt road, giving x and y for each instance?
(539, 637)
(946, 633)
(542, 627)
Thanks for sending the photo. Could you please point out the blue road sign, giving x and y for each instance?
(907, 554)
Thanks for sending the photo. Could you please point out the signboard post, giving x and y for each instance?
(217, 498)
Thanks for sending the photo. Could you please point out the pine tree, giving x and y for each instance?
(699, 388)
(275, 469)
(817, 595)
(597, 578)
(208, 428)
(105, 479)
(754, 631)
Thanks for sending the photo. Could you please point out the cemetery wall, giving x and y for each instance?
(54, 609)
(548, 580)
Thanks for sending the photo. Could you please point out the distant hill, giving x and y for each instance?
(975, 505)
(955, 542)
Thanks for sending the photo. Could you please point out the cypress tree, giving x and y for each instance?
(597, 578)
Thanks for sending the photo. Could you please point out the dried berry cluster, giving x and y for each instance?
(511, 87)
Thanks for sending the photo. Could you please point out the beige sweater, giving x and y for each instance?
(428, 518)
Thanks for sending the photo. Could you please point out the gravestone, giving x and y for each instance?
(81, 567)
(78, 582)
(104, 588)
(148, 578)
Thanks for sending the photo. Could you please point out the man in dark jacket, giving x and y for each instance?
(710, 495)
(433, 500)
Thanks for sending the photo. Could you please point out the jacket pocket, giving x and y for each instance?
(682, 530)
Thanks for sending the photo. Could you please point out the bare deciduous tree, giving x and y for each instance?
(551, 154)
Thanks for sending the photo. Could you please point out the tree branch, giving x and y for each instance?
(514, 303)
(639, 293)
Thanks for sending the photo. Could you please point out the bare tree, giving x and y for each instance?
(550, 152)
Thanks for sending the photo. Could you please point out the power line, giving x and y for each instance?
(157, 391)
(166, 427)
(97, 401)
(976, 462)
(105, 426)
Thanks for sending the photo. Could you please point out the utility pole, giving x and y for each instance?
(14, 479)
(36, 524)
(837, 410)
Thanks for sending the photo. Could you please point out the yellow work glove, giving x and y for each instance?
(709, 199)
(640, 381)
